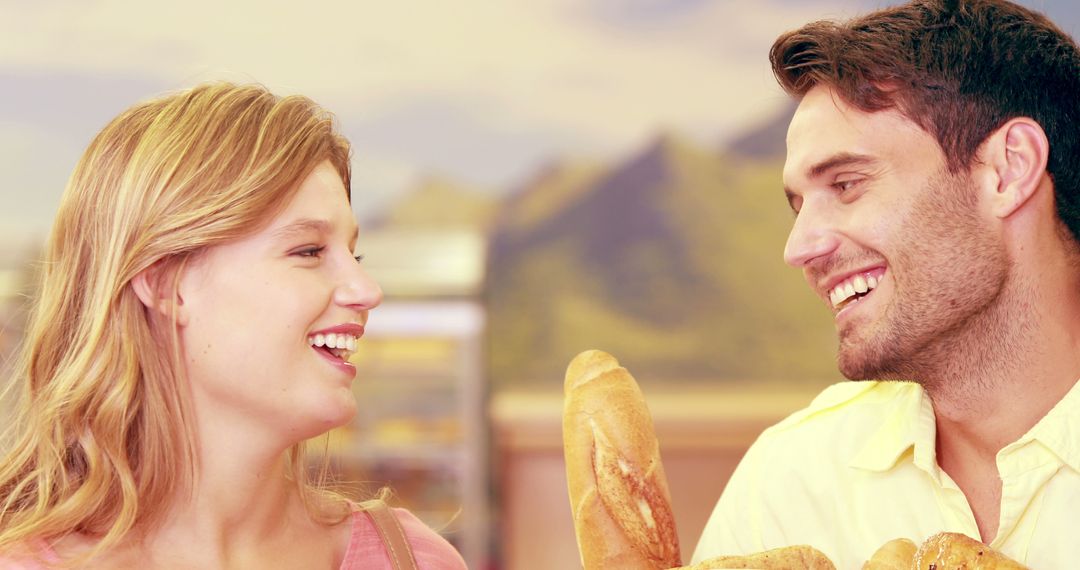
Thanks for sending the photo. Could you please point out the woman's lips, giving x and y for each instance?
(342, 365)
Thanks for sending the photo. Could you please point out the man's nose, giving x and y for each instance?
(812, 237)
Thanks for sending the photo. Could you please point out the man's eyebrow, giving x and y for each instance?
(834, 161)
(305, 225)
(837, 160)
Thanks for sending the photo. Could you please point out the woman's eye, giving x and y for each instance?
(359, 257)
(310, 251)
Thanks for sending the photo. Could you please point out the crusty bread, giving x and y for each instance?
(954, 551)
(618, 492)
(622, 508)
(898, 554)
(800, 557)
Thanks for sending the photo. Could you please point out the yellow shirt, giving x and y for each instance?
(858, 468)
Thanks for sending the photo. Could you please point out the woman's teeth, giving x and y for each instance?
(340, 345)
(846, 290)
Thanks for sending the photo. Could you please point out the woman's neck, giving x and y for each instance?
(241, 501)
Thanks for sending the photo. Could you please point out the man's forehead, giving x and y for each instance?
(821, 117)
(824, 125)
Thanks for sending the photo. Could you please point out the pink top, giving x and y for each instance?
(365, 551)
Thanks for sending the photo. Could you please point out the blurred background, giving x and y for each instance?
(533, 179)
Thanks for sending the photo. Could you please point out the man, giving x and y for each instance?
(934, 170)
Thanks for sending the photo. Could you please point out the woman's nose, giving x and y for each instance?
(358, 290)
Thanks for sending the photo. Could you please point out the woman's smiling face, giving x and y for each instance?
(253, 311)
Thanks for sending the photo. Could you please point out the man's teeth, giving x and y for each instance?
(341, 345)
(847, 289)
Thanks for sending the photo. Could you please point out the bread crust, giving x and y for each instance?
(799, 557)
(618, 491)
(897, 554)
(954, 551)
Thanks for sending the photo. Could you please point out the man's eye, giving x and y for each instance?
(845, 185)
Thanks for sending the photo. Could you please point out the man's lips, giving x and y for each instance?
(829, 282)
(848, 287)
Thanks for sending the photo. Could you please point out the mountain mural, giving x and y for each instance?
(765, 142)
(438, 202)
(670, 259)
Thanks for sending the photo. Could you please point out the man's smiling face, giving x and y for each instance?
(890, 240)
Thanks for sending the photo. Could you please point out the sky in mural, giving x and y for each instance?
(483, 92)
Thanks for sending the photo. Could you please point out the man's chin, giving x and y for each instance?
(856, 375)
(865, 364)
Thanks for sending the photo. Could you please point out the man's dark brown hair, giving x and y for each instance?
(958, 69)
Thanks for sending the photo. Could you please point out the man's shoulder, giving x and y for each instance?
(840, 417)
(849, 401)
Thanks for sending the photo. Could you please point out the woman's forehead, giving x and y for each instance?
(319, 205)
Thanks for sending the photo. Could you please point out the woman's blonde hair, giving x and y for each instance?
(102, 439)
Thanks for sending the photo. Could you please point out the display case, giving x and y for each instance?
(421, 426)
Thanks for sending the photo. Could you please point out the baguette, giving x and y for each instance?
(618, 492)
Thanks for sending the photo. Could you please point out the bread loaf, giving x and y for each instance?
(618, 492)
(800, 557)
(898, 554)
(954, 551)
(622, 508)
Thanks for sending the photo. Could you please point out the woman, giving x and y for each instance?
(199, 303)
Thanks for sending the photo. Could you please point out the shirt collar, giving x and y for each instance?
(1059, 429)
(908, 425)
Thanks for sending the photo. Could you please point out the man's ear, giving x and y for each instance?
(156, 287)
(1017, 152)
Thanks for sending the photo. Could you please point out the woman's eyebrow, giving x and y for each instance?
(311, 225)
(302, 226)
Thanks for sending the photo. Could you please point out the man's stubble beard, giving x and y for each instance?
(950, 315)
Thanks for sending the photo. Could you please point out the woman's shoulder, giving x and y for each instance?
(33, 555)
(20, 563)
(429, 548)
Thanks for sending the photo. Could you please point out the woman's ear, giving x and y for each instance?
(156, 287)
(1017, 152)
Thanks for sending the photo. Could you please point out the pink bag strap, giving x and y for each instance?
(391, 533)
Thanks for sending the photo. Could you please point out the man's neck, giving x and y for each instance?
(996, 379)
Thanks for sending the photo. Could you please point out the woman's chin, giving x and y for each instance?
(330, 415)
